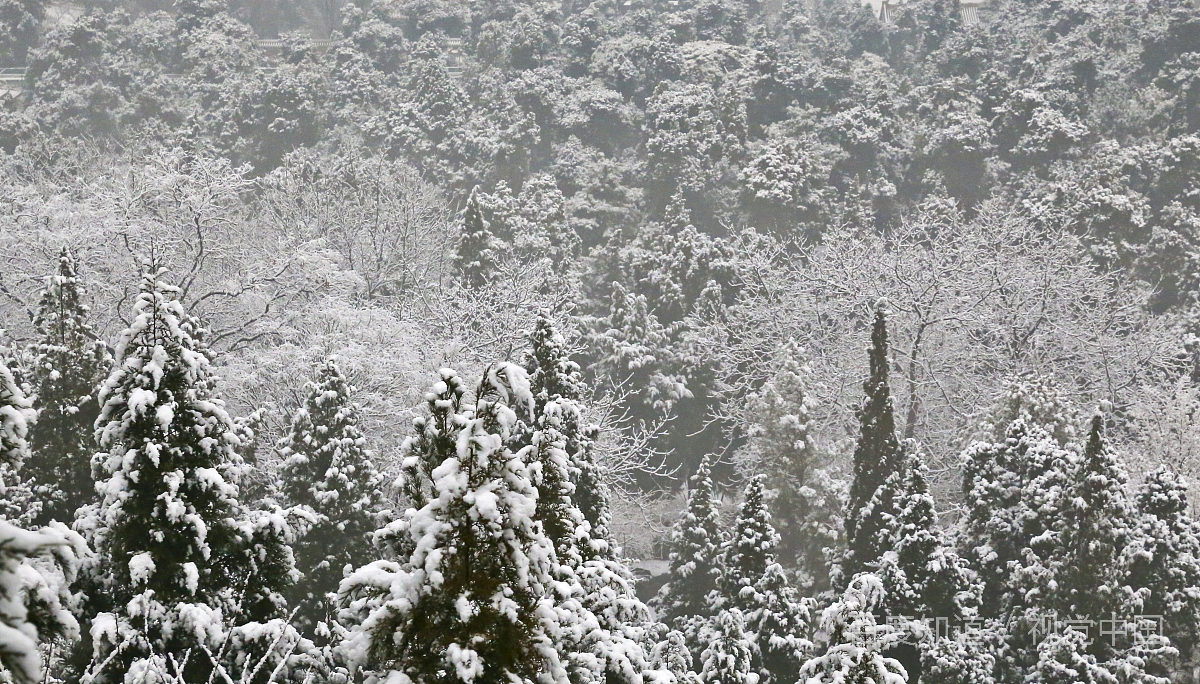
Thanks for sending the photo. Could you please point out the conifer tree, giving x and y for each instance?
(1000, 520)
(805, 508)
(70, 364)
(555, 378)
(1163, 559)
(472, 602)
(727, 659)
(855, 654)
(1038, 401)
(923, 575)
(695, 556)
(326, 468)
(672, 655)
(1073, 568)
(606, 618)
(476, 255)
(754, 583)
(877, 455)
(165, 526)
(16, 415)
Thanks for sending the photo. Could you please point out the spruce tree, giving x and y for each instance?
(1163, 559)
(70, 363)
(476, 254)
(327, 469)
(695, 556)
(877, 455)
(165, 527)
(472, 602)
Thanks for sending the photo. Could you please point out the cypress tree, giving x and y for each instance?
(695, 556)
(555, 378)
(877, 456)
(753, 582)
(923, 575)
(476, 253)
(327, 469)
(165, 527)
(1000, 520)
(471, 603)
(727, 659)
(1073, 568)
(857, 643)
(801, 495)
(1163, 558)
(70, 364)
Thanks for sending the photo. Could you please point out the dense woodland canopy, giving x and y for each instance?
(855, 323)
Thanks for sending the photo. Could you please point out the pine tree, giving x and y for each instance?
(174, 559)
(877, 455)
(728, 657)
(801, 494)
(476, 255)
(326, 468)
(70, 363)
(1163, 558)
(753, 582)
(855, 654)
(472, 602)
(695, 555)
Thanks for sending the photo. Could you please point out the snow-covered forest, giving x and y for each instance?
(599, 342)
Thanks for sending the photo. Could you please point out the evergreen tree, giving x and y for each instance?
(802, 497)
(1073, 568)
(173, 559)
(1000, 519)
(1038, 401)
(476, 255)
(16, 415)
(727, 659)
(70, 364)
(877, 455)
(923, 575)
(754, 583)
(1063, 659)
(1163, 558)
(605, 619)
(327, 469)
(672, 655)
(695, 556)
(472, 603)
(555, 379)
(855, 654)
